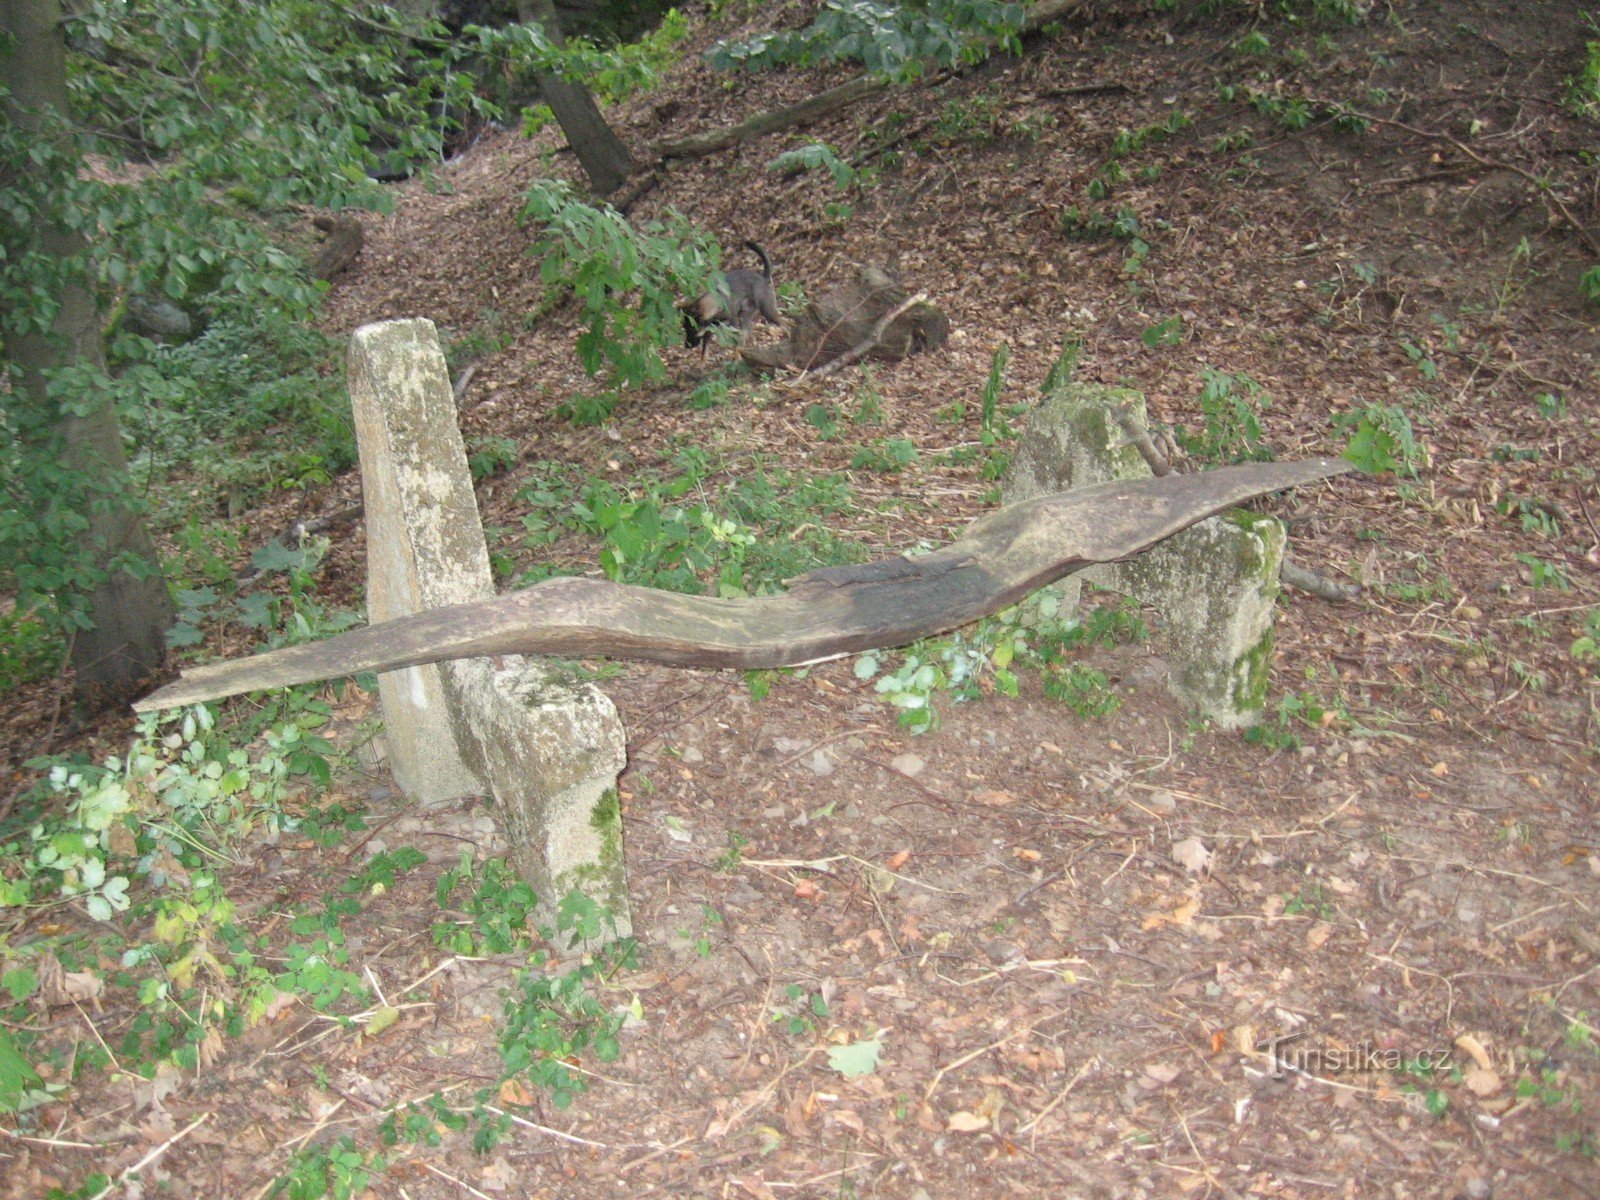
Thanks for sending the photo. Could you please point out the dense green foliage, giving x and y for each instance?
(193, 138)
(893, 41)
(603, 259)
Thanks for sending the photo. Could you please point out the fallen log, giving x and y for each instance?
(827, 613)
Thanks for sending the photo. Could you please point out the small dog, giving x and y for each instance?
(748, 294)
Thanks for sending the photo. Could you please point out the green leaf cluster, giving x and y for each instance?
(893, 41)
(627, 281)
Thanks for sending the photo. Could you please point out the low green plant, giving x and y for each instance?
(802, 1011)
(893, 42)
(1166, 332)
(1083, 689)
(824, 418)
(1310, 901)
(1231, 406)
(1589, 286)
(552, 1019)
(760, 530)
(29, 649)
(974, 662)
(815, 156)
(490, 455)
(1583, 89)
(183, 789)
(1379, 438)
(1544, 574)
(889, 455)
(495, 908)
(1293, 713)
(337, 1171)
(1586, 647)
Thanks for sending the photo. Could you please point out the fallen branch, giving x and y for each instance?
(874, 336)
(1306, 580)
(826, 613)
(810, 109)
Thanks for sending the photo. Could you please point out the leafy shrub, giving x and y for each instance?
(812, 157)
(1232, 406)
(173, 796)
(1380, 438)
(893, 41)
(606, 262)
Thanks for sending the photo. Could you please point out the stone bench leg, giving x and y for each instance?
(548, 752)
(1215, 584)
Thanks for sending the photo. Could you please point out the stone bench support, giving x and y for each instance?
(1215, 583)
(548, 750)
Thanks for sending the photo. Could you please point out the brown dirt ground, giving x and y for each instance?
(1064, 1009)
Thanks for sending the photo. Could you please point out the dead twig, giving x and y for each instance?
(153, 1155)
(1306, 580)
(1493, 164)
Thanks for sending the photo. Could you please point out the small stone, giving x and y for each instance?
(691, 754)
(820, 765)
(908, 764)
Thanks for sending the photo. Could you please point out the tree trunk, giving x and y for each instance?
(127, 602)
(605, 159)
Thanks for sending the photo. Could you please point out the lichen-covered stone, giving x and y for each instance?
(549, 752)
(1214, 584)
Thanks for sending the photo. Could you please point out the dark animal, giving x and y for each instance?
(748, 294)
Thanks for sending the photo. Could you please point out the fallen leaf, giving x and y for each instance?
(515, 1093)
(908, 764)
(993, 798)
(965, 1122)
(148, 1093)
(1191, 854)
(1482, 1082)
(381, 1019)
(1162, 1074)
(210, 1048)
(1182, 915)
(858, 1058)
(755, 1186)
(849, 1118)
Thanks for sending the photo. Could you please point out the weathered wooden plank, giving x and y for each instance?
(997, 561)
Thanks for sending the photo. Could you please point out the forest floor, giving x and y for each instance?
(1407, 886)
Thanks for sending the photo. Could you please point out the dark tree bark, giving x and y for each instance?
(605, 159)
(129, 607)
